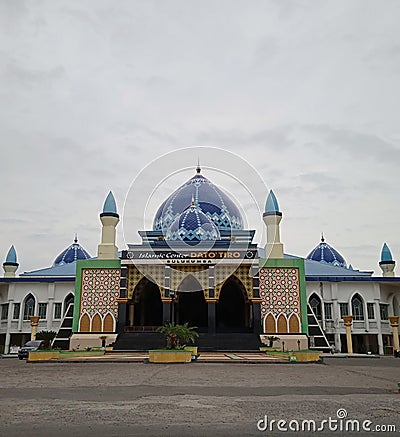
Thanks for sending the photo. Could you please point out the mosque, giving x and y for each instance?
(199, 265)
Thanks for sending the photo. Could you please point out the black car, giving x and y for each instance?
(32, 345)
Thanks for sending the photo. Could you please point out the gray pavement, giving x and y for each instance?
(197, 399)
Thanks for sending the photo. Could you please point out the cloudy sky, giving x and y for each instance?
(306, 92)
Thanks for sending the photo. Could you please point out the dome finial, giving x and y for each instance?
(322, 238)
(76, 238)
(198, 168)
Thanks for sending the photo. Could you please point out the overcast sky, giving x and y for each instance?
(307, 92)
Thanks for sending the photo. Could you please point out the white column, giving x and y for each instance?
(336, 318)
(379, 324)
(50, 298)
(9, 321)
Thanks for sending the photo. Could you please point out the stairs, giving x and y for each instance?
(314, 330)
(238, 342)
(61, 341)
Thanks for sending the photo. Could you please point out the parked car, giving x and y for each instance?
(32, 345)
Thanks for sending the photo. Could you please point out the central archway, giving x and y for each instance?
(232, 309)
(191, 307)
(148, 304)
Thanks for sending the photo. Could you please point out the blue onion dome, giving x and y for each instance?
(271, 206)
(324, 253)
(210, 199)
(71, 253)
(192, 226)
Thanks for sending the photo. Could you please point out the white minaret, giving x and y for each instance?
(109, 219)
(272, 218)
(387, 264)
(10, 265)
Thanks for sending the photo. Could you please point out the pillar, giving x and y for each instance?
(394, 323)
(211, 304)
(131, 314)
(34, 324)
(256, 303)
(166, 303)
(348, 320)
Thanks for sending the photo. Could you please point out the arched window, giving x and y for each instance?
(29, 307)
(67, 301)
(315, 304)
(357, 307)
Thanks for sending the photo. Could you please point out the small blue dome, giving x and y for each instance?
(192, 226)
(324, 253)
(272, 203)
(386, 254)
(110, 205)
(210, 199)
(11, 257)
(71, 253)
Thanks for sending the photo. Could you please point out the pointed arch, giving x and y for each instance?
(282, 324)
(29, 306)
(270, 324)
(148, 304)
(315, 303)
(69, 298)
(357, 307)
(191, 306)
(96, 323)
(294, 324)
(108, 323)
(84, 323)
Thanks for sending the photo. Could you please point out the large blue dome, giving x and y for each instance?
(210, 199)
(326, 254)
(71, 253)
(192, 226)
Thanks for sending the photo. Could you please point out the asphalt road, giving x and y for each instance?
(135, 399)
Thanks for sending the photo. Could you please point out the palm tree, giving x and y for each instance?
(47, 336)
(178, 335)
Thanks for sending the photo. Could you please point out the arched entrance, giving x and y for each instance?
(232, 309)
(147, 305)
(190, 305)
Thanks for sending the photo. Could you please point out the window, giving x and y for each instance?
(328, 311)
(371, 311)
(357, 307)
(384, 311)
(4, 311)
(57, 310)
(16, 311)
(43, 311)
(344, 309)
(29, 307)
(315, 304)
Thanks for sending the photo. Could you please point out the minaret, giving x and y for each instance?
(109, 219)
(387, 264)
(10, 265)
(272, 218)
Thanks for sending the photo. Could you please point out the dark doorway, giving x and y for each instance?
(148, 304)
(191, 307)
(232, 310)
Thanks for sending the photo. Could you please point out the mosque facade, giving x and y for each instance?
(199, 265)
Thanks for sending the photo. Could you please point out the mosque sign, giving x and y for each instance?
(188, 257)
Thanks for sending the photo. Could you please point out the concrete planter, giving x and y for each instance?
(192, 349)
(304, 357)
(43, 355)
(170, 356)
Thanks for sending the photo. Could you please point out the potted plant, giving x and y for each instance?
(176, 338)
(47, 337)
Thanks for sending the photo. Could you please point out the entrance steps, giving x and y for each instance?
(233, 342)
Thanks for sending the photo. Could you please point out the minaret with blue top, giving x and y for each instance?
(272, 218)
(387, 264)
(109, 219)
(10, 265)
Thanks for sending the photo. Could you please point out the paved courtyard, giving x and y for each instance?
(197, 399)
